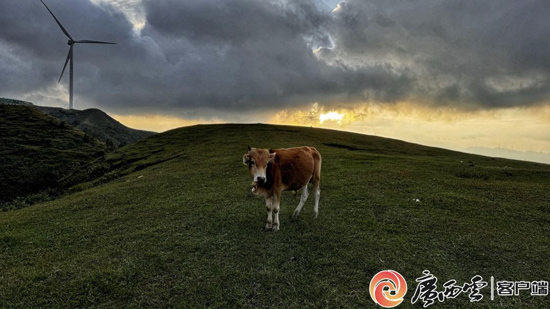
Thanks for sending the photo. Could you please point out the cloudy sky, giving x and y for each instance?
(455, 73)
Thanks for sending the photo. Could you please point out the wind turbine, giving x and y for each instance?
(71, 42)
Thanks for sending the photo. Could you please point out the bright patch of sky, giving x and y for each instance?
(132, 10)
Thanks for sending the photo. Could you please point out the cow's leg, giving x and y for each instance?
(269, 208)
(303, 199)
(276, 207)
(317, 195)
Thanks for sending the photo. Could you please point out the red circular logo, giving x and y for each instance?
(387, 288)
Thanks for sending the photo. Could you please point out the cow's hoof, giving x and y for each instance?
(268, 228)
(315, 215)
(295, 215)
(275, 228)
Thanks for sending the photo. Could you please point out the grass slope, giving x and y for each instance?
(36, 151)
(181, 228)
(98, 124)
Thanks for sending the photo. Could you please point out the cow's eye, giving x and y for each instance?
(252, 162)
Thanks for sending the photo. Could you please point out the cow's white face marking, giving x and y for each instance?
(257, 161)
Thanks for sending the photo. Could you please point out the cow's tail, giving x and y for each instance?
(316, 180)
(316, 176)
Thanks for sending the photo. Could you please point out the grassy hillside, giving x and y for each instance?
(36, 151)
(180, 228)
(98, 124)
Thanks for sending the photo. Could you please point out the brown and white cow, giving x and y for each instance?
(277, 170)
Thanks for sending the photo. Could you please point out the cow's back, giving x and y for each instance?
(297, 166)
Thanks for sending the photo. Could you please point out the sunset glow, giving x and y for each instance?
(521, 129)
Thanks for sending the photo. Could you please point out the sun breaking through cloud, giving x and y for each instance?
(331, 116)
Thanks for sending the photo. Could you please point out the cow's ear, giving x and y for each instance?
(270, 150)
(246, 159)
(249, 148)
(272, 156)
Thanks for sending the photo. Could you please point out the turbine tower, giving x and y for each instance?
(71, 43)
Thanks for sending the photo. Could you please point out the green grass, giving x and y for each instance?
(180, 227)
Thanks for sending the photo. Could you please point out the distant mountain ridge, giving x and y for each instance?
(97, 124)
(533, 156)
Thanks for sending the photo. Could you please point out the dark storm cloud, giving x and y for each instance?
(245, 55)
(484, 53)
(241, 54)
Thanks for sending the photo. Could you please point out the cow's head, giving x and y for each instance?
(257, 160)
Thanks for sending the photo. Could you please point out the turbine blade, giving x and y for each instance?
(94, 42)
(61, 26)
(69, 55)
